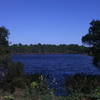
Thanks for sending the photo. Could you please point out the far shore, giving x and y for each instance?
(48, 53)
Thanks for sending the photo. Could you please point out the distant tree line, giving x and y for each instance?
(49, 49)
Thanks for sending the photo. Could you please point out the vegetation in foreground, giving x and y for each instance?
(80, 86)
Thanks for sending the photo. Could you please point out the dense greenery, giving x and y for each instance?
(48, 49)
(93, 39)
(84, 87)
(10, 72)
(81, 86)
(81, 83)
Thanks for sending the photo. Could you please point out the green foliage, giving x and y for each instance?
(93, 39)
(15, 69)
(84, 87)
(81, 83)
(93, 36)
(4, 36)
(49, 97)
(96, 93)
(34, 85)
(48, 49)
(12, 72)
(4, 46)
(8, 97)
(40, 86)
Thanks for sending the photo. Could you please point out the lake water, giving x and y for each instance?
(57, 66)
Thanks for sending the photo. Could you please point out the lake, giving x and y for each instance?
(56, 66)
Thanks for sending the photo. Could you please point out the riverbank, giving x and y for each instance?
(50, 54)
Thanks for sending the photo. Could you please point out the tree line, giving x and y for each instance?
(48, 49)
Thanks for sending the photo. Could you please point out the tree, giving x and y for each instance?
(4, 36)
(12, 72)
(93, 39)
(4, 45)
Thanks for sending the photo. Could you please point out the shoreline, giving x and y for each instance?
(47, 53)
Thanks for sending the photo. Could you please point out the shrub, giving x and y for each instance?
(8, 98)
(83, 83)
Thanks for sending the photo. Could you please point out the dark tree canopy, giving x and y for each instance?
(12, 71)
(93, 39)
(4, 36)
(93, 36)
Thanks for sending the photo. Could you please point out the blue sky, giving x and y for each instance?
(48, 21)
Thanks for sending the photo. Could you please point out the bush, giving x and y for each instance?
(84, 87)
(81, 83)
(8, 98)
(96, 60)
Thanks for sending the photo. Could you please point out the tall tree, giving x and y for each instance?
(93, 39)
(9, 70)
(4, 44)
(4, 36)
